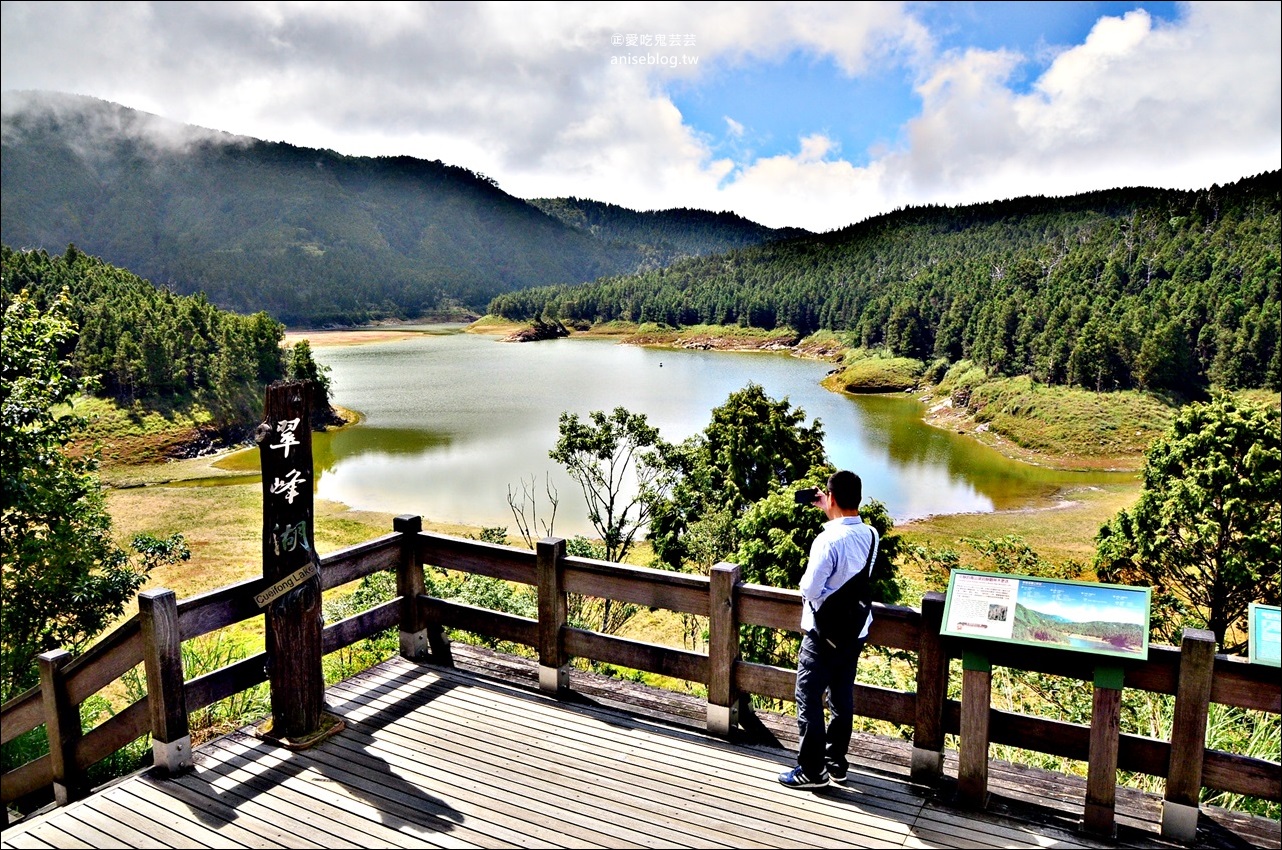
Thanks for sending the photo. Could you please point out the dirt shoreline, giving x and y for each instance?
(326, 339)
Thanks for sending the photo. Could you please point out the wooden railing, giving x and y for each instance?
(1192, 673)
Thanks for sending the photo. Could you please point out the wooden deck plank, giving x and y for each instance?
(571, 771)
(447, 758)
(346, 799)
(303, 822)
(179, 817)
(118, 834)
(720, 773)
(708, 796)
(30, 841)
(516, 796)
(377, 776)
(252, 814)
(50, 835)
(217, 814)
(425, 815)
(79, 832)
(568, 775)
(157, 831)
(360, 825)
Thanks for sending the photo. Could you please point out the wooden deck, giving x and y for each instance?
(451, 758)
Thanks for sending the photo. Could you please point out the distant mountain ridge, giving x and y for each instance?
(1035, 626)
(1128, 288)
(311, 236)
(672, 234)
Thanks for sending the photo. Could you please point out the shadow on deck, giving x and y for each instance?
(477, 757)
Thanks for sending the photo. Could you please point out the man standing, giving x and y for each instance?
(843, 552)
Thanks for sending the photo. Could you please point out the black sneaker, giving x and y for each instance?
(837, 771)
(796, 778)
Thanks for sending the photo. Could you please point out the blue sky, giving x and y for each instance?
(1085, 603)
(813, 115)
(774, 102)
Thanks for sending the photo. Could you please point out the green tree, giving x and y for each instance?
(1206, 533)
(775, 534)
(753, 445)
(617, 461)
(300, 365)
(63, 578)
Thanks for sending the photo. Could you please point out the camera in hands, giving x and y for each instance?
(808, 496)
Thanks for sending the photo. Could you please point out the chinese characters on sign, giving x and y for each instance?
(288, 535)
(652, 40)
(288, 439)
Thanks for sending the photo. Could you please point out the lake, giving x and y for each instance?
(452, 421)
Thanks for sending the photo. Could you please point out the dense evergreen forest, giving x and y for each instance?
(663, 236)
(312, 237)
(144, 342)
(1158, 289)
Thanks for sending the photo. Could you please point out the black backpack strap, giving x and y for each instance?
(862, 581)
(856, 593)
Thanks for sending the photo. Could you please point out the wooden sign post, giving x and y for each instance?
(291, 595)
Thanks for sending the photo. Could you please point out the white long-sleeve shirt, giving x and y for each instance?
(838, 554)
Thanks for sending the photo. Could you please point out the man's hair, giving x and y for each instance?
(846, 488)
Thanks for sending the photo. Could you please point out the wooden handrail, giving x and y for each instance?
(1233, 681)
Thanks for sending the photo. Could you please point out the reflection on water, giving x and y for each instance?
(328, 448)
(454, 422)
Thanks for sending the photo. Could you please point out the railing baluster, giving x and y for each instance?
(1188, 735)
(932, 691)
(554, 673)
(723, 648)
(1098, 816)
(976, 709)
(409, 586)
(166, 692)
(62, 726)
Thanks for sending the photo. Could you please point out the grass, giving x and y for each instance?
(489, 324)
(1062, 532)
(1061, 427)
(147, 431)
(865, 371)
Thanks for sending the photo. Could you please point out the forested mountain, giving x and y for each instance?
(1159, 289)
(310, 236)
(666, 235)
(143, 342)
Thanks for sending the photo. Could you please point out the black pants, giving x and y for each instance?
(823, 670)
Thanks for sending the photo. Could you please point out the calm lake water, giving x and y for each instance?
(452, 421)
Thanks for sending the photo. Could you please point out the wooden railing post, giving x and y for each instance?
(972, 757)
(1188, 735)
(419, 638)
(62, 726)
(554, 672)
(723, 648)
(1101, 768)
(166, 691)
(932, 692)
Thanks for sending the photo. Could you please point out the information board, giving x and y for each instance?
(1265, 634)
(1083, 616)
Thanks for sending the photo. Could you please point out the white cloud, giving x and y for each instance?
(528, 94)
(1182, 105)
